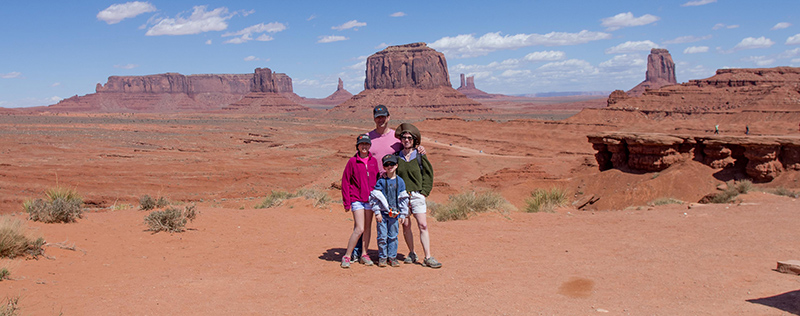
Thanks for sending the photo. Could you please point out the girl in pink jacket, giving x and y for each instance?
(358, 179)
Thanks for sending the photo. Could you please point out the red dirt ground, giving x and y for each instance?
(633, 259)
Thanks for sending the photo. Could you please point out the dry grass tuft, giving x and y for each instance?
(543, 200)
(171, 219)
(63, 205)
(15, 242)
(462, 206)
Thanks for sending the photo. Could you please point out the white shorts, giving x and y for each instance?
(355, 206)
(417, 203)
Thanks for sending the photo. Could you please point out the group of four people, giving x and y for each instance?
(391, 192)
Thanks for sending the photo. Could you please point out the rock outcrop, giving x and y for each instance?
(762, 157)
(469, 90)
(174, 92)
(412, 79)
(660, 72)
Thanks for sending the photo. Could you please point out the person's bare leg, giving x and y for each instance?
(367, 232)
(358, 229)
(424, 236)
(408, 234)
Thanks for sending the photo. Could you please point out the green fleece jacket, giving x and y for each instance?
(416, 180)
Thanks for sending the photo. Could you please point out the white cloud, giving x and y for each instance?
(752, 42)
(331, 38)
(198, 22)
(760, 61)
(128, 66)
(515, 73)
(545, 56)
(697, 3)
(630, 47)
(397, 14)
(246, 34)
(793, 40)
(695, 50)
(118, 12)
(250, 58)
(687, 39)
(349, 25)
(627, 19)
(724, 26)
(781, 25)
(796, 60)
(466, 45)
(623, 62)
(313, 16)
(790, 53)
(208, 42)
(10, 75)
(570, 66)
(382, 46)
(55, 84)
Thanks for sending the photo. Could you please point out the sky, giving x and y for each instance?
(57, 49)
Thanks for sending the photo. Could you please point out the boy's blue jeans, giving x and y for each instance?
(387, 237)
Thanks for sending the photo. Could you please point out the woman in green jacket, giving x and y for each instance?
(417, 172)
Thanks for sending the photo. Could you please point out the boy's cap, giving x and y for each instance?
(363, 139)
(390, 158)
(380, 110)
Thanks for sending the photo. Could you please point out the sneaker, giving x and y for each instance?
(345, 262)
(382, 262)
(365, 260)
(411, 258)
(431, 262)
(394, 262)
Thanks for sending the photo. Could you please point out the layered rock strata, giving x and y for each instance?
(409, 78)
(762, 157)
(174, 92)
(660, 72)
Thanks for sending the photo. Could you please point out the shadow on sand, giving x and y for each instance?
(787, 302)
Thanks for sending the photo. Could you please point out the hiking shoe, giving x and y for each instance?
(345, 262)
(431, 262)
(365, 260)
(411, 258)
(382, 262)
(394, 262)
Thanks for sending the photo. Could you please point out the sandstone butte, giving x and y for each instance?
(660, 72)
(261, 91)
(468, 88)
(410, 78)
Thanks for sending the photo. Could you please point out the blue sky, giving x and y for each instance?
(56, 49)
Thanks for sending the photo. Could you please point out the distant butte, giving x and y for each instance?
(411, 79)
(660, 72)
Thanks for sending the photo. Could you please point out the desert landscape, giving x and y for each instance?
(225, 142)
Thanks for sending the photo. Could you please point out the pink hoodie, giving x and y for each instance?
(358, 180)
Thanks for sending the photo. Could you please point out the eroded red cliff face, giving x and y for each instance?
(411, 79)
(660, 72)
(762, 157)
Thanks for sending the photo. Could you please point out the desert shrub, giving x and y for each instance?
(4, 274)
(665, 201)
(320, 199)
(63, 205)
(9, 306)
(14, 242)
(275, 198)
(730, 193)
(462, 206)
(542, 200)
(784, 192)
(171, 219)
(147, 203)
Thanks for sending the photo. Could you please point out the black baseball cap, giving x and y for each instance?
(389, 158)
(380, 110)
(363, 139)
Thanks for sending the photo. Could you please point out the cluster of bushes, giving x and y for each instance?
(171, 219)
(542, 200)
(147, 203)
(730, 193)
(63, 205)
(462, 206)
(275, 198)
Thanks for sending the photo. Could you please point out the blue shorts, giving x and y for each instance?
(355, 206)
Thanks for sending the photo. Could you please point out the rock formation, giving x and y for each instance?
(173, 92)
(469, 89)
(660, 72)
(409, 78)
(269, 92)
(762, 157)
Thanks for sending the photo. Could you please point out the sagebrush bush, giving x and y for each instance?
(171, 219)
(320, 199)
(731, 192)
(63, 205)
(4, 274)
(462, 206)
(14, 240)
(665, 201)
(784, 192)
(275, 198)
(147, 203)
(9, 306)
(542, 200)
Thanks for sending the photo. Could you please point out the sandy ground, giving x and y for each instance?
(234, 259)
